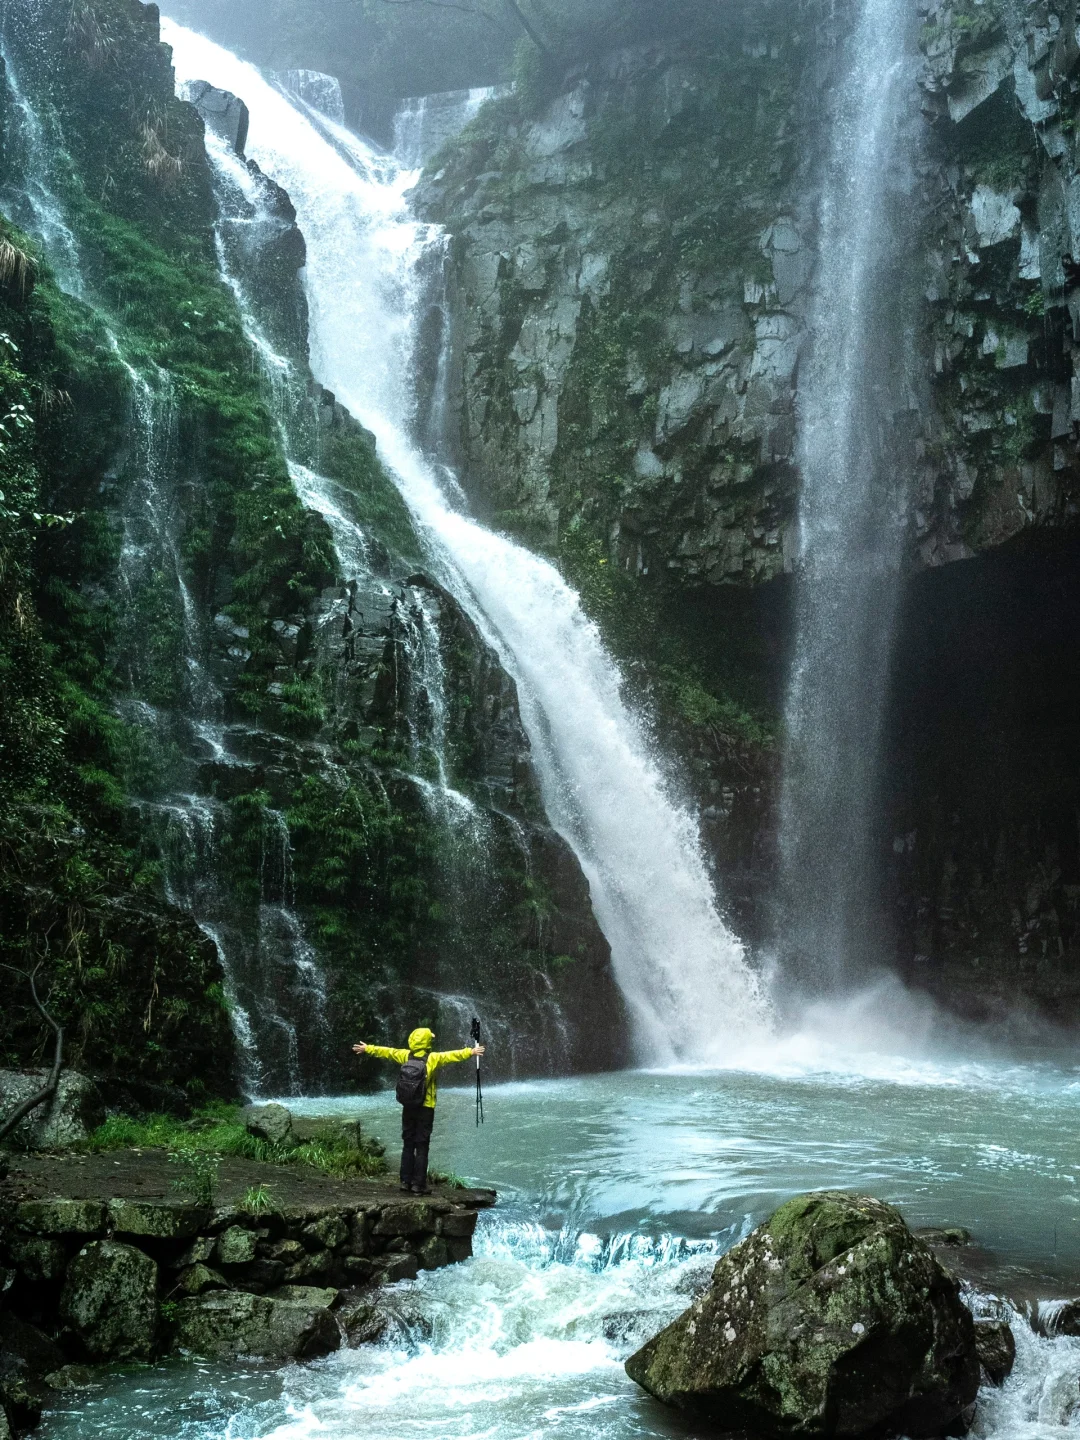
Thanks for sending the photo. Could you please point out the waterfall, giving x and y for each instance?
(424, 123)
(321, 92)
(33, 152)
(685, 976)
(852, 515)
(172, 701)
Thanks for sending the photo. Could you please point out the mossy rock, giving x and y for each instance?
(831, 1319)
(226, 1323)
(110, 1301)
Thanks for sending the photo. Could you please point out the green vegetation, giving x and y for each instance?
(449, 1179)
(132, 984)
(200, 1178)
(213, 1132)
(258, 1199)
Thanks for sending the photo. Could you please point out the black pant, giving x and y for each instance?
(416, 1123)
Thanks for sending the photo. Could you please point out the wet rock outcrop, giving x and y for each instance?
(110, 1300)
(633, 253)
(68, 1118)
(831, 1319)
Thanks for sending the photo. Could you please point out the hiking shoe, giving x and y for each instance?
(405, 1189)
(416, 1190)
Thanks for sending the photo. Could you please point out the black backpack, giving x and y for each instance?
(412, 1082)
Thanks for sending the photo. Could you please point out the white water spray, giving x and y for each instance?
(685, 976)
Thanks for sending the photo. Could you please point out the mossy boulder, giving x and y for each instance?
(287, 1326)
(831, 1319)
(110, 1301)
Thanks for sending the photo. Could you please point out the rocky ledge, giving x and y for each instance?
(101, 1261)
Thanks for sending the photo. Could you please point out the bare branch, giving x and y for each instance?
(528, 27)
(512, 5)
(21, 1111)
(450, 5)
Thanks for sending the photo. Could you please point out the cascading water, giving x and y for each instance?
(465, 831)
(685, 976)
(171, 695)
(853, 507)
(425, 122)
(28, 193)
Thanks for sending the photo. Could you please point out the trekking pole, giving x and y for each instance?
(479, 1093)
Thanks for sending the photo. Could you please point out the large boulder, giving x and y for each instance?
(75, 1110)
(296, 1323)
(271, 1122)
(831, 1319)
(110, 1300)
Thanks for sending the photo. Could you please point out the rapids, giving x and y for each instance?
(616, 1192)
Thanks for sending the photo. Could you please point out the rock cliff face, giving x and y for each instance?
(627, 286)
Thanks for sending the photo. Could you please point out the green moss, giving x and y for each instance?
(218, 1131)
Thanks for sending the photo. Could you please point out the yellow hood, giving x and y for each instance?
(421, 1041)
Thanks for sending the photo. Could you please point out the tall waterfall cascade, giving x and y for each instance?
(692, 993)
(853, 392)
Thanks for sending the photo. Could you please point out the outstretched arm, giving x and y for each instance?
(453, 1057)
(380, 1052)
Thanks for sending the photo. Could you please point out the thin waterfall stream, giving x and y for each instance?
(854, 465)
(604, 789)
(273, 986)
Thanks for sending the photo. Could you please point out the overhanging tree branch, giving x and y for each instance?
(49, 1090)
(512, 5)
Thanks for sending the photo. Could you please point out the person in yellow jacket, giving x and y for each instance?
(417, 1120)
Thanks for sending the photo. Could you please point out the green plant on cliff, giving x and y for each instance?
(216, 1131)
(129, 983)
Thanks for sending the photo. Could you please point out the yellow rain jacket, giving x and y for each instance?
(420, 1042)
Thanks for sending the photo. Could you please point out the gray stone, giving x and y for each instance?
(459, 1223)
(978, 77)
(73, 1377)
(333, 1131)
(995, 215)
(229, 1323)
(76, 1109)
(268, 1122)
(223, 113)
(362, 1322)
(327, 1233)
(236, 1246)
(194, 1279)
(416, 1219)
(61, 1217)
(391, 1268)
(831, 1319)
(198, 1252)
(996, 1347)
(156, 1219)
(110, 1300)
(309, 1295)
(38, 1257)
(433, 1253)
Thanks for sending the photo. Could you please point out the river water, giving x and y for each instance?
(616, 1192)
